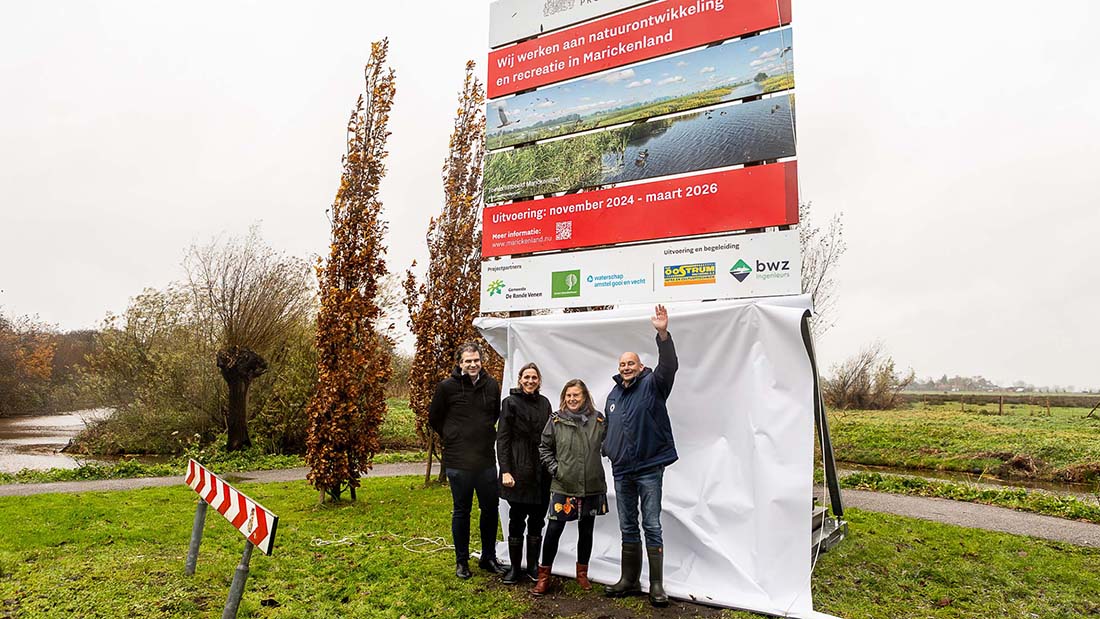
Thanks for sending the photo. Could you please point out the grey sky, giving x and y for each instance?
(957, 138)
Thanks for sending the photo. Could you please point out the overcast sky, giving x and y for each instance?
(960, 140)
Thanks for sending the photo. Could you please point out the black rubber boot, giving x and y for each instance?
(657, 595)
(632, 569)
(534, 545)
(492, 566)
(515, 555)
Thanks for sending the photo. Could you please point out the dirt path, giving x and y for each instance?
(971, 515)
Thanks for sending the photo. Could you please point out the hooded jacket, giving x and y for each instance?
(465, 414)
(570, 451)
(522, 418)
(639, 433)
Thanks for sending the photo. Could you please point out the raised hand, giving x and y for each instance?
(660, 321)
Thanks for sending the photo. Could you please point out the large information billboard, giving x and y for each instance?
(644, 155)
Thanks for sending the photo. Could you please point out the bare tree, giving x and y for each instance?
(250, 298)
(821, 251)
(869, 380)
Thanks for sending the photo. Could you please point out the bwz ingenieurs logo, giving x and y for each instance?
(690, 274)
(765, 269)
(565, 284)
(741, 270)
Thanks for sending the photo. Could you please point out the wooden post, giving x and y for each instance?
(431, 448)
(1048, 406)
(1001, 405)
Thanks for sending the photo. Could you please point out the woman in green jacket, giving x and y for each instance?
(570, 452)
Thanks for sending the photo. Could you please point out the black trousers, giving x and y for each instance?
(526, 516)
(464, 484)
(584, 542)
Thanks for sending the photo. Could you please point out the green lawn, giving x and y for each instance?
(122, 554)
(1024, 442)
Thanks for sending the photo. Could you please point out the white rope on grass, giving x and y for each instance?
(419, 545)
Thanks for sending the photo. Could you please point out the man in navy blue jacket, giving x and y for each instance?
(640, 445)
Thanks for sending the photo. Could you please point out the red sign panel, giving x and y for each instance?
(753, 197)
(647, 32)
(253, 520)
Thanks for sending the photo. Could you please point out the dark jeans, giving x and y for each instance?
(464, 484)
(644, 486)
(584, 540)
(526, 515)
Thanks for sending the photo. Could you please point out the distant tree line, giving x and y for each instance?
(41, 367)
(980, 383)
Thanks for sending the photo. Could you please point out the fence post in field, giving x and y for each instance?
(431, 448)
(236, 590)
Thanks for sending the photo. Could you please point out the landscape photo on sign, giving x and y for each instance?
(708, 76)
(711, 138)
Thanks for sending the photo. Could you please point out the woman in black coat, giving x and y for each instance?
(524, 483)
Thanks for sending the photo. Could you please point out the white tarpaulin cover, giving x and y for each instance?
(737, 505)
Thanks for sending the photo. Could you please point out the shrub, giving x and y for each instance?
(866, 381)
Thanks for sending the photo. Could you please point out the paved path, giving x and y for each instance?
(973, 515)
(976, 516)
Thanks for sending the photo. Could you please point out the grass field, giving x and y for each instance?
(1023, 443)
(122, 554)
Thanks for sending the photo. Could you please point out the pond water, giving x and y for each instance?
(35, 442)
(748, 90)
(714, 138)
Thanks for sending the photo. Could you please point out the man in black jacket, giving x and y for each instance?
(464, 413)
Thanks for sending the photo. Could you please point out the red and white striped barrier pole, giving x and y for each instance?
(253, 520)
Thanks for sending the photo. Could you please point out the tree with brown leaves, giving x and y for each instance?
(442, 307)
(26, 363)
(354, 350)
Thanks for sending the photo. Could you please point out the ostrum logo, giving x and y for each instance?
(496, 287)
(690, 274)
(741, 270)
(565, 284)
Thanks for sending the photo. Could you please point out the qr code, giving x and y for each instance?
(556, 6)
(564, 230)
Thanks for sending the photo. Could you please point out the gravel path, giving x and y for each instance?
(973, 515)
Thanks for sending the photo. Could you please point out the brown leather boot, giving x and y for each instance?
(582, 577)
(543, 584)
